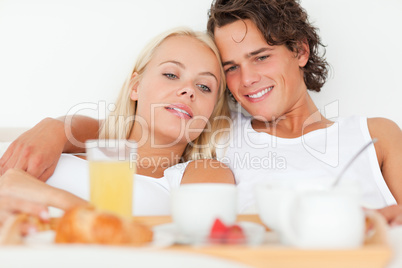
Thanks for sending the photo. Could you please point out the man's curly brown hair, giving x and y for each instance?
(282, 22)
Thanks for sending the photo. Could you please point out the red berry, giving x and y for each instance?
(218, 231)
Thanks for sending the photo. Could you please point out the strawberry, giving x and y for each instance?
(218, 231)
(222, 234)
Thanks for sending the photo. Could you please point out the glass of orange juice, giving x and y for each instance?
(111, 174)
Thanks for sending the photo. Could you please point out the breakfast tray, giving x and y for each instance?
(375, 252)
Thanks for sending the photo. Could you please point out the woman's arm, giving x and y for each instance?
(21, 185)
(22, 193)
(207, 170)
(38, 150)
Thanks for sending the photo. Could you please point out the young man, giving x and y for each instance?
(270, 53)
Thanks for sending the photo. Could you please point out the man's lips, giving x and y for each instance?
(260, 93)
(180, 110)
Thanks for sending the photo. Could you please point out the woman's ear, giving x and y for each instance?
(303, 53)
(134, 89)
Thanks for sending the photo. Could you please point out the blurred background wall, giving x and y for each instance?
(61, 57)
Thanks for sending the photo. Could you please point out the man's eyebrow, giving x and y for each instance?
(249, 55)
(258, 51)
(230, 62)
(181, 65)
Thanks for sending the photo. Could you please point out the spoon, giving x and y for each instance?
(338, 178)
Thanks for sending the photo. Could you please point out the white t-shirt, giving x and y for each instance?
(255, 157)
(151, 195)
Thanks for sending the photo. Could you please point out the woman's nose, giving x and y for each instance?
(186, 90)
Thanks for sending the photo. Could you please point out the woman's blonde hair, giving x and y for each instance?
(120, 121)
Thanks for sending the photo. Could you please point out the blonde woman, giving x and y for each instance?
(173, 103)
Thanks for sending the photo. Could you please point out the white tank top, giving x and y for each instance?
(255, 157)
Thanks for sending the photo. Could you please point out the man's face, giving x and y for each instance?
(266, 80)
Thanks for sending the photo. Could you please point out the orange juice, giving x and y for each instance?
(111, 186)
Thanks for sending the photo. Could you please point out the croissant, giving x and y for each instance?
(12, 230)
(85, 224)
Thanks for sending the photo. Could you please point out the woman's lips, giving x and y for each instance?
(180, 110)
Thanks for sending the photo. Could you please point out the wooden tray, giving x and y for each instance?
(375, 252)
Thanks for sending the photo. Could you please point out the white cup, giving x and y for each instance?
(274, 195)
(308, 214)
(195, 207)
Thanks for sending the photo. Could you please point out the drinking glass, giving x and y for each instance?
(111, 174)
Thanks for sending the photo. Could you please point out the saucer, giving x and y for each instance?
(254, 233)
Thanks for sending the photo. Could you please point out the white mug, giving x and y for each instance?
(273, 196)
(324, 220)
(196, 206)
(313, 215)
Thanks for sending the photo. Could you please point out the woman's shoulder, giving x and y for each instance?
(174, 174)
(178, 168)
(207, 170)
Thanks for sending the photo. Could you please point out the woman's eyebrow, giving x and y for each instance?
(210, 74)
(181, 65)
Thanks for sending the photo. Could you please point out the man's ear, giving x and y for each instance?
(303, 53)
(134, 89)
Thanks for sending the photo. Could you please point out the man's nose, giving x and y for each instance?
(249, 76)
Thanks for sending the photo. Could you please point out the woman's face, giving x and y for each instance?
(178, 90)
(266, 80)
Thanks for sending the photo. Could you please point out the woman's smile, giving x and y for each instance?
(180, 110)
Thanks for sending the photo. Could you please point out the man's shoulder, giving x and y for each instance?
(383, 128)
